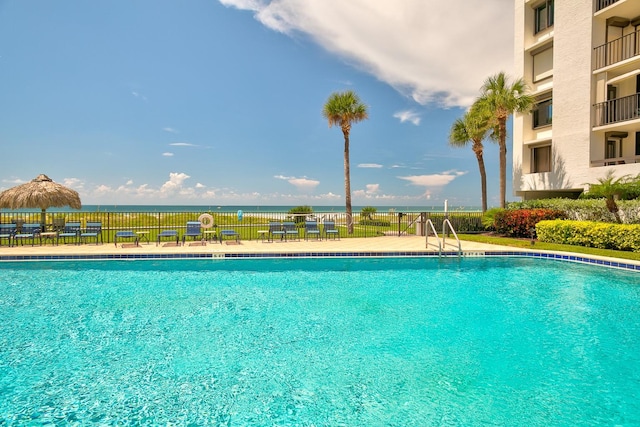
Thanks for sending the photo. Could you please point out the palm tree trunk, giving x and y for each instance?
(502, 123)
(483, 177)
(347, 182)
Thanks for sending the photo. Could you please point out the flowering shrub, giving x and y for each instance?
(522, 222)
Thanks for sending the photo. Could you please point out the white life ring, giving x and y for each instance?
(206, 220)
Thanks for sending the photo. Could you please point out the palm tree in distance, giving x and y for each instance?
(342, 109)
(472, 128)
(501, 99)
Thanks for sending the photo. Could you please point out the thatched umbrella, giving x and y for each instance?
(42, 193)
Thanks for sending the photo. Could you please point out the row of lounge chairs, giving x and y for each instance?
(33, 231)
(73, 232)
(289, 230)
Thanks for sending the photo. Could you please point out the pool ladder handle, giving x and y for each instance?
(446, 224)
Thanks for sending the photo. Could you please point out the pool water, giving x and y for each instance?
(319, 342)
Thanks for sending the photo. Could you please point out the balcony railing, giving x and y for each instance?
(601, 4)
(617, 110)
(617, 50)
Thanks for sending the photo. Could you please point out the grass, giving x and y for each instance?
(526, 244)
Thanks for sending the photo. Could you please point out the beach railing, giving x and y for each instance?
(251, 225)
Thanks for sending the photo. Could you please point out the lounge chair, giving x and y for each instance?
(290, 229)
(28, 231)
(331, 230)
(92, 230)
(193, 230)
(69, 230)
(311, 229)
(7, 231)
(275, 229)
(125, 235)
(167, 234)
(229, 233)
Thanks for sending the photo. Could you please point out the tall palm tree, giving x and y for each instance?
(502, 99)
(342, 109)
(472, 128)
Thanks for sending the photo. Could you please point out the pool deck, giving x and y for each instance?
(385, 245)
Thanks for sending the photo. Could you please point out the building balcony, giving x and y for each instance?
(617, 110)
(601, 4)
(617, 50)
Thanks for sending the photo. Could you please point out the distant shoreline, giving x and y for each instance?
(244, 208)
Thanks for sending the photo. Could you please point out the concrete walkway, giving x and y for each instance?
(372, 244)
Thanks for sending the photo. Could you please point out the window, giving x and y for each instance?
(544, 16)
(541, 159)
(612, 151)
(543, 113)
(542, 64)
(637, 143)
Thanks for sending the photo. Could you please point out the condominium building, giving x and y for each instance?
(581, 60)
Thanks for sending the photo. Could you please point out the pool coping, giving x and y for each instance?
(561, 256)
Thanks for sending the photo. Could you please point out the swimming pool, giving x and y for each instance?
(323, 342)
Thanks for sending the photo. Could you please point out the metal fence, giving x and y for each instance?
(252, 225)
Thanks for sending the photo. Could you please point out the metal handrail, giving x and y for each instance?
(429, 225)
(444, 233)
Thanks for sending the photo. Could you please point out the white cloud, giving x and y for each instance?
(139, 95)
(170, 130)
(182, 144)
(199, 185)
(167, 154)
(370, 191)
(433, 180)
(302, 184)
(369, 165)
(430, 50)
(408, 116)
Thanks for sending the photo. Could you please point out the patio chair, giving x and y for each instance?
(167, 234)
(275, 229)
(125, 235)
(28, 231)
(193, 230)
(92, 230)
(331, 230)
(311, 229)
(7, 231)
(58, 224)
(69, 230)
(290, 229)
(229, 233)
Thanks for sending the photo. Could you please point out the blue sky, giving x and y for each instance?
(219, 101)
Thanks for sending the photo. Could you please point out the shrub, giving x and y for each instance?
(375, 222)
(300, 213)
(489, 218)
(624, 237)
(522, 222)
(585, 209)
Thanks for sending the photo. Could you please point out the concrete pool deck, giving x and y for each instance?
(384, 245)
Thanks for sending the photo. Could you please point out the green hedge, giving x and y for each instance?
(585, 209)
(624, 237)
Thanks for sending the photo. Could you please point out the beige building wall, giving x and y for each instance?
(577, 145)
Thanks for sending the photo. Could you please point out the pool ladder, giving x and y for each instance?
(446, 228)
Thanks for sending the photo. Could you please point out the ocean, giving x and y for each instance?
(245, 208)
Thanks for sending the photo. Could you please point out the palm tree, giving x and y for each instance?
(342, 109)
(473, 127)
(502, 99)
(611, 188)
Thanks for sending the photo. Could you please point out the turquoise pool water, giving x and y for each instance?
(319, 342)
